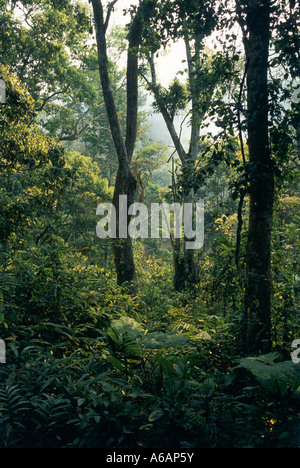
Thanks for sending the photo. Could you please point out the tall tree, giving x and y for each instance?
(125, 181)
(255, 19)
(192, 22)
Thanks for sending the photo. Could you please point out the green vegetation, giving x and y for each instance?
(91, 362)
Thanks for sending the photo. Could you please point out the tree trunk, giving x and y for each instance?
(185, 268)
(125, 181)
(122, 247)
(257, 313)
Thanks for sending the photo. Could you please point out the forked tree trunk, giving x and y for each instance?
(125, 180)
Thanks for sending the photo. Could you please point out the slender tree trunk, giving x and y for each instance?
(257, 314)
(191, 269)
(185, 268)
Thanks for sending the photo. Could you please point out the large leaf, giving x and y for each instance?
(155, 415)
(116, 363)
(127, 326)
(274, 376)
(132, 348)
(159, 340)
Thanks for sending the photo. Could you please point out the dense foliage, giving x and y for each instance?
(89, 365)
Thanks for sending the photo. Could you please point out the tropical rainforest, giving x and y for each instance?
(141, 342)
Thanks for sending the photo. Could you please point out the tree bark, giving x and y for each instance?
(125, 180)
(185, 268)
(257, 312)
(122, 247)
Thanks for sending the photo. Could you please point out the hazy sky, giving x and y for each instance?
(167, 65)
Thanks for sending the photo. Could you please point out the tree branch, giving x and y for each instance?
(135, 35)
(50, 97)
(77, 133)
(106, 88)
(168, 121)
(195, 126)
(109, 10)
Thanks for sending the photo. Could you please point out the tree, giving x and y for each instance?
(125, 181)
(254, 18)
(47, 216)
(191, 22)
(268, 145)
(45, 43)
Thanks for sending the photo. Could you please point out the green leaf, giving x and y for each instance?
(113, 335)
(166, 366)
(284, 435)
(273, 376)
(159, 340)
(133, 349)
(127, 326)
(156, 415)
(116, 363)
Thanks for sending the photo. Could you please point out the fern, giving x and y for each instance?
(50, 410)
(198, 420)
(13, 406)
